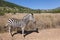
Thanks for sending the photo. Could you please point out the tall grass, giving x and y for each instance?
(48, 20)
(43, 21)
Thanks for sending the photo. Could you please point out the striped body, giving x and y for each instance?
(20, 22)
(16, 22)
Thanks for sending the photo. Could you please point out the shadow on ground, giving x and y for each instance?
(25, 32)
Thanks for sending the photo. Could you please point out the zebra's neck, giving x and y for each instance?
(25, 21)
(26, 18)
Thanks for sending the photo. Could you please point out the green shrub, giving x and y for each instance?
(2, 13)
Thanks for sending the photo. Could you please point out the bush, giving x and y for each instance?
(2, 13)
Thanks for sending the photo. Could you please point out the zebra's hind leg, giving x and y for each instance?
(10, 30)
(23, 31)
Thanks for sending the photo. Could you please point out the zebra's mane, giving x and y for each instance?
(26, 16)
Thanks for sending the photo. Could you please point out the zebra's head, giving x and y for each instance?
(32, 14)
(31, 17)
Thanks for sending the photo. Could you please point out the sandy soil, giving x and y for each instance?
(46, 34)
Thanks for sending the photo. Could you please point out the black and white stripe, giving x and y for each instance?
(12, 22)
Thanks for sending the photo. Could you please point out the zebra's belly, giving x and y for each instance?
(19, 24)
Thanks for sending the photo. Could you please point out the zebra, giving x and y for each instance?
(22, 23)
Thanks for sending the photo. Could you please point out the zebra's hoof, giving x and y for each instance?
(24, 36)
(37, 30)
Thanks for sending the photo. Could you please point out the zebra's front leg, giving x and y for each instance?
(35, 27)
(23, 31)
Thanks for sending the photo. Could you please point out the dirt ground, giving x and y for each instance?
(46, 34)
(44, 21)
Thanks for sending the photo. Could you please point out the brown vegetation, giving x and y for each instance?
(48, 24)
(44, 20)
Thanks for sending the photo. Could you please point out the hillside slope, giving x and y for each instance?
(11, 7)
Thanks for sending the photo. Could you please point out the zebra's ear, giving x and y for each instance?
(31, 13)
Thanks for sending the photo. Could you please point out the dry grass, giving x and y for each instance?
(44, 20)
(48, 20)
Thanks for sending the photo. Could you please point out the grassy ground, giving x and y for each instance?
(44, 20)
(48, 25)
